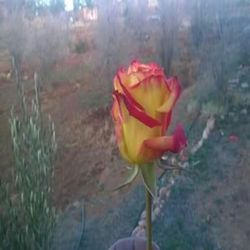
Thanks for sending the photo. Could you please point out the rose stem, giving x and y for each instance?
(149, 219)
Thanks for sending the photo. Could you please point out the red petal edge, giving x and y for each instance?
(127, 93)
(136, 112)
(180, 140)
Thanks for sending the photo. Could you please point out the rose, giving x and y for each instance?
(143, 100)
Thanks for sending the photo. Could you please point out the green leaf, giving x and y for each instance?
(149, 177)
(132, 174)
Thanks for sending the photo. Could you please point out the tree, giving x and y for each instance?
(13, 6)
(169, 24)
(57, 6)
(79, 4)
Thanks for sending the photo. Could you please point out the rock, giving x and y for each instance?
(141, 233)
(164, 157)
(156, 202)
(244, 85)
(25, 78)
(143, 215)
(244, 112)
(153, 217)
(135, 231)
(233, 81)
(162, 193)
(168, 192)
(205, 134)
(157, 211)
(142, 224)
(172, 181)
(161, 204)
(184, 165)
(76, 204)
(210, 123)
(136, 243)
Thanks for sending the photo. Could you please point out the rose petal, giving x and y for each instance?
(155, 90)
(137, 113)
(166, 121)
(174, 143)
(127, 94)
(175, 91)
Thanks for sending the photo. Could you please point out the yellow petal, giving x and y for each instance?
(151, 94)
(175, 90)
(134, 134)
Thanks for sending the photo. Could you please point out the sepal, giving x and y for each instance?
(149, 177)
(132, 174)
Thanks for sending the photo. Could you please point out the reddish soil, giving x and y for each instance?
(88, 164)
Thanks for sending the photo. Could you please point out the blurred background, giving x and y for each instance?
(57, 144)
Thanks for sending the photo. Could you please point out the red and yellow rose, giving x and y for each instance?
(143, 100)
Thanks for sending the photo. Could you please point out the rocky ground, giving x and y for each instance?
(209, 204)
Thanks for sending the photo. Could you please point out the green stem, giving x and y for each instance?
(149, 219)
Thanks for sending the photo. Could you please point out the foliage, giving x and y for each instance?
(81, 47)
(56, 6)
(35, 7)
(27, 215)
(169, 25)
(79, 4)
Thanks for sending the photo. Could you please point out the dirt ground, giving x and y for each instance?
(225, 205)
(88, 167)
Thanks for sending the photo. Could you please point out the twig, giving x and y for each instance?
(82, 228)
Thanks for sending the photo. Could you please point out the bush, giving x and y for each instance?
(27, 215)
(81, 47)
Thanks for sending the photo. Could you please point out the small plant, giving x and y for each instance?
(141, 127)
(81, 47)
(27, 215)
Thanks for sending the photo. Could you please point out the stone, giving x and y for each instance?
(136, 243)
(153, 217)
(76, 204)
(233, 81)
(142, 224)
(205, 134)
(156, 202)
(244, 85)
(157, 211)
(135, 231)
(143, 215)
(244, 112)
(25, 78)
(162, 193)
(185, 165)
(141, 233)
(167, 193)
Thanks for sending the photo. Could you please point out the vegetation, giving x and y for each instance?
(76, 54)
(27, 214)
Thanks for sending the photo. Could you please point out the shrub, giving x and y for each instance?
(27, 215)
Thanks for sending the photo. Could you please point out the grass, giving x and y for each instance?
(27, 215)
(178, 228)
